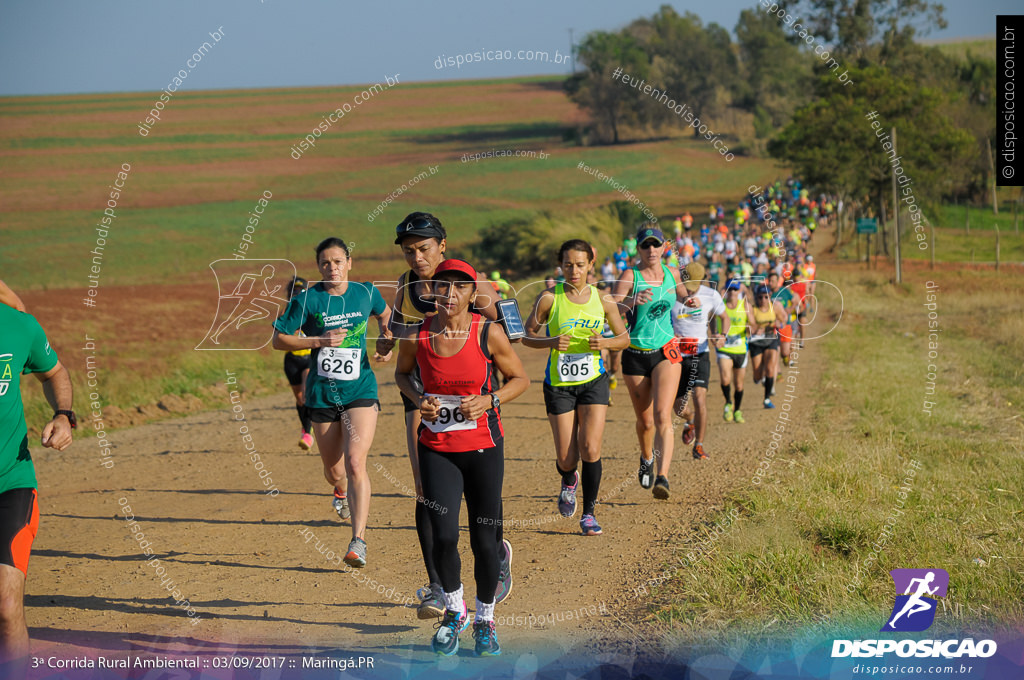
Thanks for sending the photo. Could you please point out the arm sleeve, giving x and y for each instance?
(41, 357)
(291, 320)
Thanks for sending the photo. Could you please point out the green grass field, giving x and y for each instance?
(201, 169)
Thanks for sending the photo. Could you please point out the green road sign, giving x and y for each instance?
(867, 226)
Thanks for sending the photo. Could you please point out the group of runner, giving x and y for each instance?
(655, 321)
(659, 318)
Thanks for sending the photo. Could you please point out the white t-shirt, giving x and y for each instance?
(692, 322)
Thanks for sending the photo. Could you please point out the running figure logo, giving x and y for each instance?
(915, 609)
(247, 304)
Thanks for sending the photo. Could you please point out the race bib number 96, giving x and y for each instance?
(450, 418)
(576, 367)
(339, 363)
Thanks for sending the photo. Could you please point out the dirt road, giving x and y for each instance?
(248, 562)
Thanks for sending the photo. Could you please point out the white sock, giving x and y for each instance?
(484, 612)
(453, 601)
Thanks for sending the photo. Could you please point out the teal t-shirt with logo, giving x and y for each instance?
(337, 375)
(23, 349)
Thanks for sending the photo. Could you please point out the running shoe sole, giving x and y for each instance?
(591, 530)
(689, 433)
(429, 611)
(661, 492)
(353, 558)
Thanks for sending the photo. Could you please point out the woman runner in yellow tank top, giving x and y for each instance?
(732, 357)
(576, 387)
(768, 316)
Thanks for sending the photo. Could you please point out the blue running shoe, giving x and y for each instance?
(768, 403)
(589, 526)
(567, 499)
(446, 640)
(486, 639)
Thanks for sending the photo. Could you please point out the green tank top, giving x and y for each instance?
(736, 340)
(578, 364)
(651, 323)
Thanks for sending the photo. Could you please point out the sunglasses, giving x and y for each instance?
(649, 244)
(413, 225)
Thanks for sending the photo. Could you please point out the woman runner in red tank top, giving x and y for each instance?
(460, 443)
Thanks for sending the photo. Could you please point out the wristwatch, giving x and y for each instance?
(495, 402)
(70, 415)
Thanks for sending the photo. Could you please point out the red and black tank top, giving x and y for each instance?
(467, 372)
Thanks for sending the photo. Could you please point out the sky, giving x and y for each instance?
(57, 47)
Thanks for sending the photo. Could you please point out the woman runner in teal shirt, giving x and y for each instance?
(650, 365)
(341, 390)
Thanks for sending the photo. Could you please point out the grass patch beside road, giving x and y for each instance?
(798, 555)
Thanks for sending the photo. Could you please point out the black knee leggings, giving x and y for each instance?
(446, 478)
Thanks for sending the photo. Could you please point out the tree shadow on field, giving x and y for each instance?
(159, 607)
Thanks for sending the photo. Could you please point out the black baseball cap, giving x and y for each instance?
(419, 224)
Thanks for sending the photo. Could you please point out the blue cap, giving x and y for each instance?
(734, 284)
(650, 232)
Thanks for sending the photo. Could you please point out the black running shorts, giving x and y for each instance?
(333, 414)
(738, 360)
(696, 373)
(19, 522)
(565, 398)
(758, 347)
(641, 361)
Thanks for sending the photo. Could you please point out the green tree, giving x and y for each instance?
(853, 25)
(612, 103)
(776, 72)
(695, 64)
(831, 142)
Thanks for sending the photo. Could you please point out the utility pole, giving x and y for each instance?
(992, 171)
(896, 216)
(572, 52)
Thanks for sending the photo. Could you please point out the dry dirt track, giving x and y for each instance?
(241, 559)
